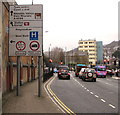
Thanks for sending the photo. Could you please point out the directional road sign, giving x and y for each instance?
(26, 30)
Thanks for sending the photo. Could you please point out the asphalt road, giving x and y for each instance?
(88, 97)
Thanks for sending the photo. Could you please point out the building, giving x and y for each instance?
(89, 46)
(99, 52)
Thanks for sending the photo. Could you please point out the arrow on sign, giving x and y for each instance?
(12, 41)
(11, 13)
(11, 23)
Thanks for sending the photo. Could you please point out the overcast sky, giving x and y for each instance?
(68, 21)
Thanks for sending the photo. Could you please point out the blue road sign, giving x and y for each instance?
(34, 35)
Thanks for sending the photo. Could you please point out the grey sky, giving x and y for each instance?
(68, 21)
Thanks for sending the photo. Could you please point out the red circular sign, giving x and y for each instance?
(34, 45)
(20, 45)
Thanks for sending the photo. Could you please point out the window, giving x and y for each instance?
(91, 58)
(91, 50)
(86, 46)
(91, 46)
(91, 42)
(80, 46)
(86, 42)
(91, 54)
(81, 42)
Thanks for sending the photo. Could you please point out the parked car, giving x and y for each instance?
(110, 72)
(89, 74)
(118, 73)
(63, 72)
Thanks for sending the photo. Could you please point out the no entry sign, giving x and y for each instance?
(26, 30)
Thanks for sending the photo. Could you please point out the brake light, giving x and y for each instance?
(59, 73)
(68, 73)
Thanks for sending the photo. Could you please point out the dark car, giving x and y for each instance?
(89, 74)
(63, 72)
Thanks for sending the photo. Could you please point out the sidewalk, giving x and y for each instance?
(28, 101)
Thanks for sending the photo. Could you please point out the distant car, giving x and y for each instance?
(55, 70)
(89, 74)
(63, 73)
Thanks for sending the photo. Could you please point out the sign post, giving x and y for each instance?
(26, 35)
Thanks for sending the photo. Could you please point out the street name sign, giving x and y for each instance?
(26, 30)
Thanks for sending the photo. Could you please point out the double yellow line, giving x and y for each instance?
(57, 100)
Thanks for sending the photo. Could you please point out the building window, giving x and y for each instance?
(86, 46)
(91, 46)
(86, 42)
(81, 42)
(91, 58)
(86, 50)
(91, 54)
(91, 50)
(80, 46)
(91, 42)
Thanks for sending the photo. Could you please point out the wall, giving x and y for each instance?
(0, 58)
(9, 64)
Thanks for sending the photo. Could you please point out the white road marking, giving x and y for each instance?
(103, 100)
(112, 106)
(88, 90)
(91, 92)
(85, 88)
(97, 96)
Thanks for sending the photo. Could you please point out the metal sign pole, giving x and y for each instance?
(18, 76)
(39, 76)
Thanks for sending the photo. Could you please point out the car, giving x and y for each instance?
(81, 72)
(63, 73)
(89, 74)
(118, 73)
(55, 70)
(110, 72)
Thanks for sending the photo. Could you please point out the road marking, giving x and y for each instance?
(97, 96)
(85, 88)
(103, 100)
(112, 106)
(57, 100)
(52, 98)
(91, 92)
(88, 90)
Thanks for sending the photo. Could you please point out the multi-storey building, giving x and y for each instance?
(99, 52)
(89, 46)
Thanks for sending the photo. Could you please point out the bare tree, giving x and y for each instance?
(57, 55)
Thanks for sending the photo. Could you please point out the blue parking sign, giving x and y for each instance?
(34, 35)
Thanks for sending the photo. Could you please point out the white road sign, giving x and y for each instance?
(26, 12)
(26, 24)
(26, 30)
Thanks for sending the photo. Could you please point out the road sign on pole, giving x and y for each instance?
(26, 26)
(26, 35)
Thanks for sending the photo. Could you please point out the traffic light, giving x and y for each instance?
(105, 61)
(61, 62)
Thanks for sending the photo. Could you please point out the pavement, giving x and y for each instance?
(28, 101)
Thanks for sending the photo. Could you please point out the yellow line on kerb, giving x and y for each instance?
(58, 100)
